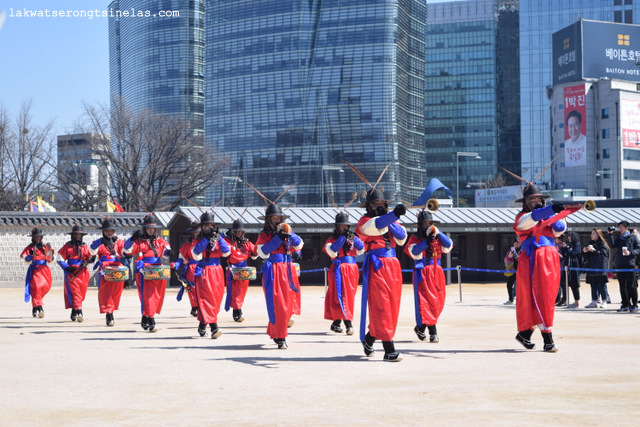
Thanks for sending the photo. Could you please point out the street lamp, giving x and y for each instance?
(326, 168)
(463, 154)
(232, 178)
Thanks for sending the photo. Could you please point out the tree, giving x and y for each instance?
(24, 147)
(497, 182)
(155, 160)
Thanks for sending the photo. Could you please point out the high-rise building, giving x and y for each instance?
(472, 105)
(296, 86)
(539, 19)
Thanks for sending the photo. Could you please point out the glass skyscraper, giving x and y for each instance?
(293, 87)
(539, 19)
(157, 63)
(471, 92)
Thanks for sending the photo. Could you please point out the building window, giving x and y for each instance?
(605, 133)
(607, 193)
(628, 16)
(617, 2)
(617, 16)
(628, 1)
(606, 153)
(605, 113)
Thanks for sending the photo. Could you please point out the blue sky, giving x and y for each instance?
(56, 62)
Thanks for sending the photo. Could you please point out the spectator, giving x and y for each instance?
(511, 264)
(596, 256)
(627, 248)
(561, 299)
(573, 254)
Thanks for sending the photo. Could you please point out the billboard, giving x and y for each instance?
(594, 49)
(498, 197)
(575, 118)
(630, 123)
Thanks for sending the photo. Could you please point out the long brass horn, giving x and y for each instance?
(433, 205)
(589, 206)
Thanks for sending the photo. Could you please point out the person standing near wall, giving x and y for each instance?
(73, 258)
(38, 280)
(511, 264)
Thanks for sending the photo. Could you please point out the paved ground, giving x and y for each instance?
(55, 372)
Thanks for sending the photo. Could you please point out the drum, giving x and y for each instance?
(156, 272)
(114, 273)
(243, 273)
(297, 267)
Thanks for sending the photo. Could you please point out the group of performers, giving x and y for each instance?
(377, 234)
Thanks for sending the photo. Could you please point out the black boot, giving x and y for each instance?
(144, 323)
(368, 344)
(202, 329)
(79, 316)
(549, 345)
(110, 320)
(433, 334)
(215, 331)
(335, 326)
(152, 325)
(40, 311)
(194, 311)
(34, 312)
(390, 352)
(237, 315)
(74, 315)
(524, 338)
(282, 343)
(349, 326)
(419, 330)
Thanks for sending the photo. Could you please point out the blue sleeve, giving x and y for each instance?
(335, 246)
(357, 243)
(63, 264)
(96, 244)
(295, 239)
(178, 263)
(384, 220)
(28, 258)
(201, 246)
(559, 226)
(542, 213)
(223, 245)
(397, 231)
(419, 248)
(128, 243)
(446, 241)
(272, 245)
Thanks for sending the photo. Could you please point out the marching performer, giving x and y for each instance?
(241, 249)
(276, 244)
(429, 286)
(73, 258)
(149, 248)
(342, 247)
(38, 280)
(191, 268)
(210, 283)
(538, 274)
(108, 250)
(382, 279)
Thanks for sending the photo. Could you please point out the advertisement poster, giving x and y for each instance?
(575, 144)
(630, 123)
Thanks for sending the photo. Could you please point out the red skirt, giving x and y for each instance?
(350, 277)
(209, 293)
(384, 292)
(284, 299)
(77, 287)
(151, 295)
(431, 294)
(40, 284)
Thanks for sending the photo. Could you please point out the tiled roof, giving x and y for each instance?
(68, 219)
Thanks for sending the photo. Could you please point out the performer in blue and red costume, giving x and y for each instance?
(276, 244)
(538, 274)
(382, 279)
(149, 248)
(208, 250)
(241, 249)
(342, 247)
(38, 279)
(108, 250)
(429, 286)
(191, 267)
(73, 258)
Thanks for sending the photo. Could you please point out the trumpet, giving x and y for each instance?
(349, 235)
(433, 205)
(588, 206)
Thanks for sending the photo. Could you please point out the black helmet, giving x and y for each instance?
(531, 190)
(108, 224)
(426, 216)
(342, 218)
(273, 210)
(207, 218)
(77, 229)
(238, 225)
(35, 232)
(374, 195)
(194, 227)
(150, 221)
